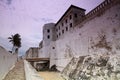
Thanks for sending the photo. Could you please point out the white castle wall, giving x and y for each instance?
(44, 52)
(7, 61)
(48, 30)
(86, 38)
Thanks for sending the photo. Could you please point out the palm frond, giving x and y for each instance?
(9, 37)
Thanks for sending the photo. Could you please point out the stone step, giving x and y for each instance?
(17, 73)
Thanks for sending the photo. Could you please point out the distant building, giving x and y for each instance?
(32, 52)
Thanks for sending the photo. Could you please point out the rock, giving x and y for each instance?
(94, 67)
(113, 76)
(118, 76)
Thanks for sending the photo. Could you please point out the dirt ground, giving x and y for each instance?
(46, 75)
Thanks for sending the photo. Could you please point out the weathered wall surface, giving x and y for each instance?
(44, 52)
(7, 61)
(98, 35)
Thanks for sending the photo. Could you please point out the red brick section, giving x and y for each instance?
(17, 73)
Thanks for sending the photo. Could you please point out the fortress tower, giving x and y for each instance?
(48, 33)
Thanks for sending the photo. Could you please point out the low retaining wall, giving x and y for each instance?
(30, 72)
(7, 61)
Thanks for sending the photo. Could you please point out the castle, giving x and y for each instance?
(78, 34)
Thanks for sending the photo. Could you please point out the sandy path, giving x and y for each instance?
(50, 75)
(17, 73)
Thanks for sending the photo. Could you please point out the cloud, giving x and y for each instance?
(46, 20)
(9, 2)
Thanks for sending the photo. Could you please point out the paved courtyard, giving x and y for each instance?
(46, 75)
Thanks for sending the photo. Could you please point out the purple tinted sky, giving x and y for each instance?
(27, 18)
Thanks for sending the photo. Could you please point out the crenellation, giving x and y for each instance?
(102, 7)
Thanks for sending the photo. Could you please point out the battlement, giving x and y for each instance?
(102, 7)
(99, 10)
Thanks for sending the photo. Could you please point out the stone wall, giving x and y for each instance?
(30, 72)
(96, 35)
(7, 61)
(44, 52)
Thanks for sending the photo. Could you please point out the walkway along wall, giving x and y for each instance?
(98, 33)
(7, 61)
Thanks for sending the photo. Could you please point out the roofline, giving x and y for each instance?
(67, 12)
(77, 7)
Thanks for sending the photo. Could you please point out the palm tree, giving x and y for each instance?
(16, 41)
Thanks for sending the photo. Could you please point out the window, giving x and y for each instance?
(66, 28)
(75, 15)
(48, 30)
(70, 25)
(59, 34)
(66, 20)
(48, 36)
(63, 31)
(53, 47)
(70, 17)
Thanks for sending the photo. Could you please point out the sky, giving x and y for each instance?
(27, 18)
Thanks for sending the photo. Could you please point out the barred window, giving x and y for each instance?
(48, 36)
(63, 31)
(70, 25)
(66, 28)
(48, 30)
